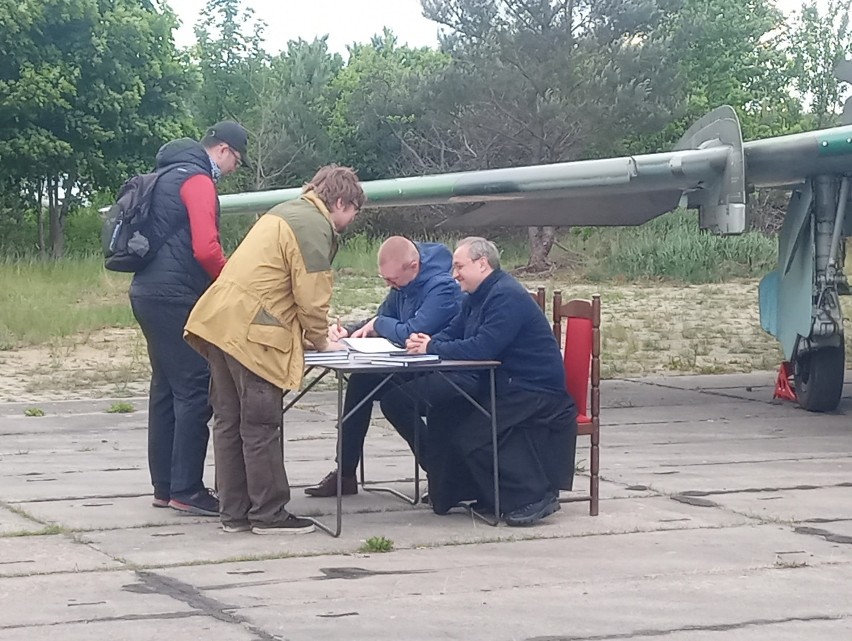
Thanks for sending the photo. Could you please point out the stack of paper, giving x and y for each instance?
(323, 358)
(403, 360)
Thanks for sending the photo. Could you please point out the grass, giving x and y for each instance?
(33, 411)
(121, 407)
(675, 300)
(376, 544)
(41, 301)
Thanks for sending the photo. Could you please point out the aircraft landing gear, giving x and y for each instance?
(818, 376)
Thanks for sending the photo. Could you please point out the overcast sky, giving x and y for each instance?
(345, 21)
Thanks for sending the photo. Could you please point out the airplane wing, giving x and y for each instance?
(709, 169)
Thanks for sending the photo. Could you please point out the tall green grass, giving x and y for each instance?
(670, 247)
(44, 300)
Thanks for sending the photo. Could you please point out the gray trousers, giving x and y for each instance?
(250, 475)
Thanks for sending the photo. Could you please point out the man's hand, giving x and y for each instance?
(334, 346)
(417, 343)
(336, 332)
(366, 330)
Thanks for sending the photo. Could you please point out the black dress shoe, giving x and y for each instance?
(328, 486)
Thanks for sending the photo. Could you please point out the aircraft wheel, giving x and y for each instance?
(818, 377)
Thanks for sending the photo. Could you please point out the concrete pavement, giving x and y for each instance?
(724, 516)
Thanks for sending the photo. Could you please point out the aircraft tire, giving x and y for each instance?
(818, 376)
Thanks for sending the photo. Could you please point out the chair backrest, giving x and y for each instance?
(581, 355)
(539, 296)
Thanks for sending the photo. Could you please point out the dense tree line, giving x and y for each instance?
(89, 89)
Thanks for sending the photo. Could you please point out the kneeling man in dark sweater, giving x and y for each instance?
(536, 417)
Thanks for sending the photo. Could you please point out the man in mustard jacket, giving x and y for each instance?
(250, 324)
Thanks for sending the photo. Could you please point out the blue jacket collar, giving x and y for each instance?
(485, 286)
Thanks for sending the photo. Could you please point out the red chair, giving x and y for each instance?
(583, 376)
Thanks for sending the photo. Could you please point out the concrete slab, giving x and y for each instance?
(134, 628)
(13, 523)
(450, 606)
(791, 505)
(80, 598)
(738, 476)
(107, 513)
(21, 555)
(79, 484)
(408, 528)
(673, 553)
(752, 556)
(792, 630)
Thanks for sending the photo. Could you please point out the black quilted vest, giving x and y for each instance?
(174, 273)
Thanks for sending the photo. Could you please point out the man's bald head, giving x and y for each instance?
(399, 261)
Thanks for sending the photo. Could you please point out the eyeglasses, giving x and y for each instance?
(237, 156)
(458, 266)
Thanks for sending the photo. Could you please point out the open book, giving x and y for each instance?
(376, 345)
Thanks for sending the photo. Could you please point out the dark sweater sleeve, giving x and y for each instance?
(198, 194)
(435, 312)
(499, 326)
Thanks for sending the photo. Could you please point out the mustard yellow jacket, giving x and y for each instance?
(274, 290)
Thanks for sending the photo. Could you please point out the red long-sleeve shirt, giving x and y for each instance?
(199, 196)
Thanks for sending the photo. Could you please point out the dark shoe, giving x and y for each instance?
(328, 486)
(236, 526)
(161, 497)
(534, 512)
(203, 503)
(291, 525)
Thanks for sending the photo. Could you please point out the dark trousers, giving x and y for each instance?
(356, 426)
(247, 411)
(178, 406)
(432, 397)
(536, 440)
(536, 437)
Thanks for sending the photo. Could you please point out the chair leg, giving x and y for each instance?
(594, 477)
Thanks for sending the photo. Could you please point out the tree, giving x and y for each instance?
(553, 80)
(818, 43)
(384, 92)
(729, 52)
(229, 55)
(291, 116)
(89, 90)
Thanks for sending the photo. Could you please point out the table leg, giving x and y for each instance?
(339, 525)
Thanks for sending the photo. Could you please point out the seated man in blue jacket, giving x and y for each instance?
(536, 417)
(423, 298)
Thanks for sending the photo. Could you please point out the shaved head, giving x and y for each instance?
(399, 261)
(398, 249)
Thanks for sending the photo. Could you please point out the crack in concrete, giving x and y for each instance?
(152, 583)
(721, 627)
(750, 462)
(125, 617)
(699, 390)
(755, 490)
(831, 537)
(693, 500)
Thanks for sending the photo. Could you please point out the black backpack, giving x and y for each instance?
(129, 237)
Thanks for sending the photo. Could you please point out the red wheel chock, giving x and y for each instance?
(784, 383)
